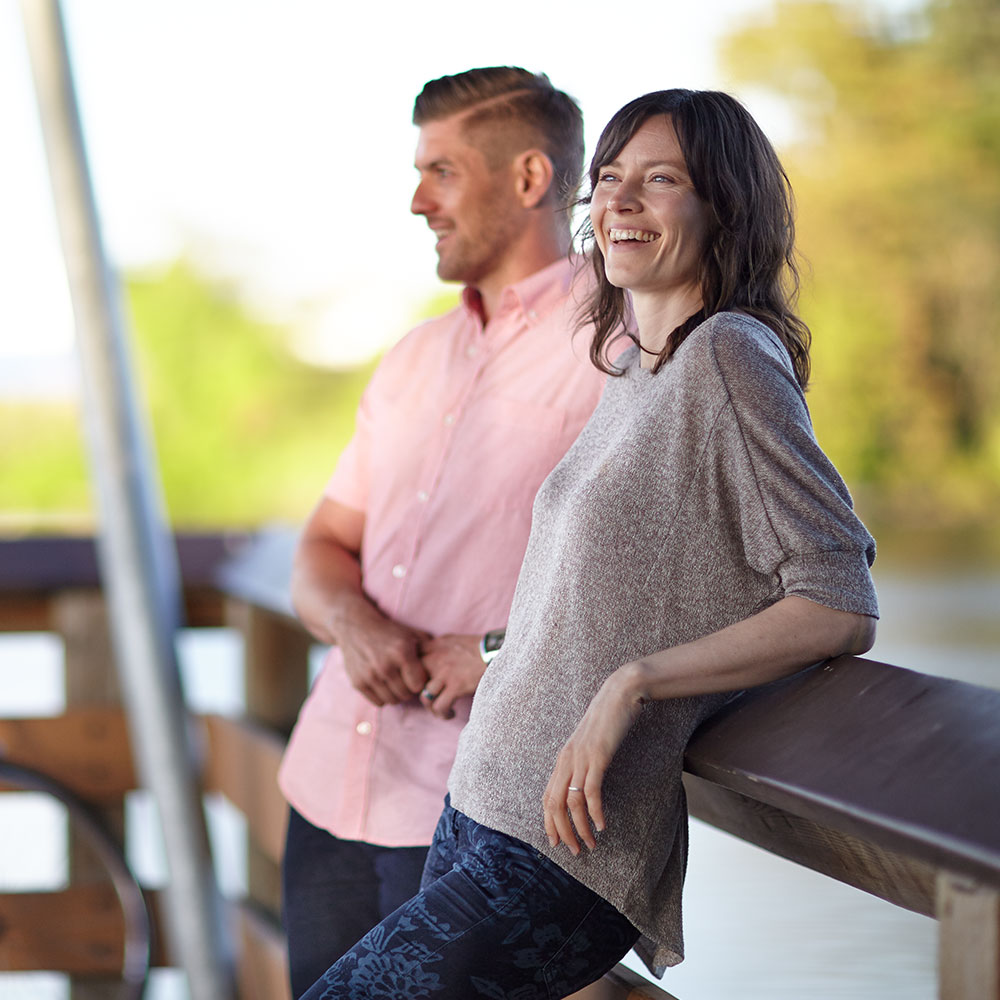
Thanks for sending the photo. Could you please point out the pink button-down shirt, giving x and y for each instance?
(456, 431)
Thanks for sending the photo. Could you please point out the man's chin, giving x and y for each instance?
(449, 271)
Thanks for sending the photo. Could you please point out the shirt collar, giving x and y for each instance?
(534, 296)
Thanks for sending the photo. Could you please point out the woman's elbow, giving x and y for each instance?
(860, 635)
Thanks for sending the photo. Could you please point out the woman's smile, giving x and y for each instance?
(649, 222)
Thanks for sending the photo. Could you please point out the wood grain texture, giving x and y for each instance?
(276, 663)
(242, 764)
(900, 880)
(262, 962)
(969, 942)
(908, 761)
(86, 749)
(78, 930)
(47, 564)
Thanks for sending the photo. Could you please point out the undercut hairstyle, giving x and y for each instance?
(508, 110)
(749, 264)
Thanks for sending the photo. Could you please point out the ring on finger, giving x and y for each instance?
(428, 695)
(574, 788)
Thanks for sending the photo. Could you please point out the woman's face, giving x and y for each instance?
(649, 223)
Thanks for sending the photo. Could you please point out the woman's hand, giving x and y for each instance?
(455, 669)
(574, 790)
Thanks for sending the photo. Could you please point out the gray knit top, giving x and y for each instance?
(692, 499)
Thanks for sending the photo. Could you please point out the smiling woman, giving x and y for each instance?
(737, 212)
(651, 226)
(693, 542)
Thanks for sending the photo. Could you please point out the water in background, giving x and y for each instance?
(757, 927)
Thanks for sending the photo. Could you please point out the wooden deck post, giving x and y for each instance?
(80, 618)
(969, 936)
(276, 679)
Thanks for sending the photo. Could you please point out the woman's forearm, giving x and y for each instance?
(776, 642)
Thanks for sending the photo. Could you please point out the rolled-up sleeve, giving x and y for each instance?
(797, 517)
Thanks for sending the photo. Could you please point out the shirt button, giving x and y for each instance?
(449, 418)
(399, 571)
(532, 314)
(471, 351)
(363, 728)
(422, 496)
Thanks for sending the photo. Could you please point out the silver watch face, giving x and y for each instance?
(492, 641)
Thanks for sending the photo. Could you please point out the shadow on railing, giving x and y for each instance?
(874, 775)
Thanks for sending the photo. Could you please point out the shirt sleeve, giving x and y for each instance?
(797, 518)
(349, 483)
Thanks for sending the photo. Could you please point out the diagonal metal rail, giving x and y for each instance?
(136, 556)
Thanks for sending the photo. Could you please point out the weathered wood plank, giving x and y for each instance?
(79, 930)
(621, 984)
(90, 679)
(47, 564)
(86, 750)
(34, 612)
(908, 761)
(276, 663)
(902, 881)
(242, 763)
(969, 949)
(260, 571)
(262, 962)
(25, 613)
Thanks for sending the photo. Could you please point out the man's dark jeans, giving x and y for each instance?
(334, 891)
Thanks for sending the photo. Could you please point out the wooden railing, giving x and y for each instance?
(870, 774)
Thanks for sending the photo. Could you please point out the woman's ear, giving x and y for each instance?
(534, 174)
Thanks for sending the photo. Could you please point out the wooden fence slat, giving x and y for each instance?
(276, 664)
(242, 763)
(80, 617)
(25, 613)
(85, 749)
(78, 930)
(262, 962)
(969, 940)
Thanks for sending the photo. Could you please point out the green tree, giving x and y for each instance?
(244, 433)
(896, 168)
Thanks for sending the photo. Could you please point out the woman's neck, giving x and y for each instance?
(657, 315)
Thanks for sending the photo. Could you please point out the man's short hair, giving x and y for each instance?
(507, 110)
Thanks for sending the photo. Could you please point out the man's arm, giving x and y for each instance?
(381, 656)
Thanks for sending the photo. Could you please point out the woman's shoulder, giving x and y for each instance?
(737, 331)
(739, 346)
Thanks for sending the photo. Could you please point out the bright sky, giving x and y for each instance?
(271, 141)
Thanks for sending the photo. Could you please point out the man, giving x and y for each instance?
(411, 556)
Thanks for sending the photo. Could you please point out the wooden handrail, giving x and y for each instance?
(877, 752)
(872, 774)
(905, 760)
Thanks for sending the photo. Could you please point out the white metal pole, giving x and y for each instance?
(138, 565)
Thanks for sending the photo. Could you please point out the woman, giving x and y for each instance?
(694, 541)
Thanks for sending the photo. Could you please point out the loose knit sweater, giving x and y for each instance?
(693, 498)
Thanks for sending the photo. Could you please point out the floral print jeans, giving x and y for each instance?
(494, 919)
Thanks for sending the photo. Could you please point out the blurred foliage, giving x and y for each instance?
(245, 434)
(43, 470)
(896, 170)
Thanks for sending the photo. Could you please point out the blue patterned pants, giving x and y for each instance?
(493, 919)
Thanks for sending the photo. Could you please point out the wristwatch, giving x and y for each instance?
(490, 644)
